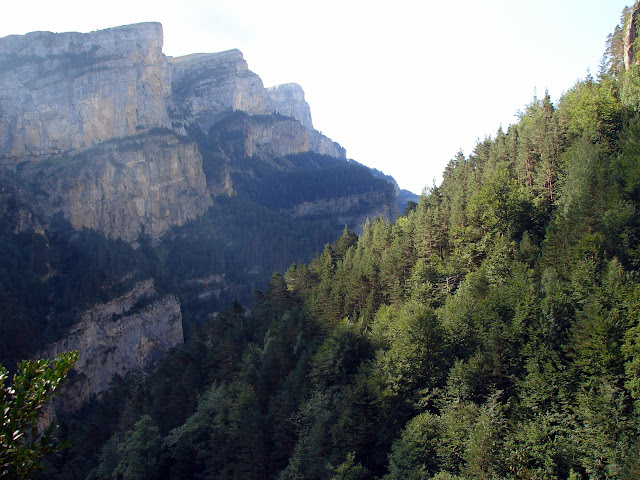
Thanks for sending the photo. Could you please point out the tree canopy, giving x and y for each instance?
(493, 331)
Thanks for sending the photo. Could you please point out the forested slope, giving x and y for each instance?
(493, 332)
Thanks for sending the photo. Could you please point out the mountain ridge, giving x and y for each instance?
(112, 92)
(174, 169)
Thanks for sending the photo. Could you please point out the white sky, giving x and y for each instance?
(402, 85)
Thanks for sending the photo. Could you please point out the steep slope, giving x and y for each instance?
(84, 119)
(67, 92)
(288, 100)
(492, 332)
(111, 133)
(118, 164)
(131, 331)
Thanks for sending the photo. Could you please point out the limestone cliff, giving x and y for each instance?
(270, 136)
(70, 91)
(118, 138)
(140, 184)
(631, 34)
(132, 331)
(288, 100)
(349, 210)
(287, 137)
(84, 119)
(207, 86)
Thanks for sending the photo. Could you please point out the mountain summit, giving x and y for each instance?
(117, 137)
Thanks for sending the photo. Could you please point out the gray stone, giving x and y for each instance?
(68, 92)
(96, 123)
(112, 339)
(207, 86)
(288, 100)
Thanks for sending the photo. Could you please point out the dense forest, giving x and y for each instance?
(493, 331)
(47, 279)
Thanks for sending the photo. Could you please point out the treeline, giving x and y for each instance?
(493, 332)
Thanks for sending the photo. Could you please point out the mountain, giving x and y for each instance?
(112, 133)
(125, 171)
(493, 331)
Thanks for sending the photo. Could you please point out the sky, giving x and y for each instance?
(402, 85)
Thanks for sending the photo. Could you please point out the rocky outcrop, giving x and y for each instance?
(111, 133)
(631, 34)
(351, 210)
(143, 184)
(132, 331)
(207, 86)
(286, 137)
(86, 117)
(68, 92)
(65, 93)
(270, 136)
(288, 100)
(325, 146)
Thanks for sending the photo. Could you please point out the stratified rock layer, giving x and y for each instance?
(70, 91)
(348, 210)
(288, 100)
(104, 128)
(138, 185)
(132, 331)
(209, 85)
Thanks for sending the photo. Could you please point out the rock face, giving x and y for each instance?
(288, 100)
(112, 134)
(631, 33)
(132, 331)
(349, 210)
(140, 184)
(287, 137)
(80, 116)
(266, 137)
(71, 91)
(206, 86)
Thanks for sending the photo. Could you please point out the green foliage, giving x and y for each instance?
(410, 352)
(491, 332)
(23, 445)
(349, 469)
(140, 452)
(414, 454)
(501, 205)
(591, 110)
(630, 94)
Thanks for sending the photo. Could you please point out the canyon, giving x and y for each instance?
(105, 132)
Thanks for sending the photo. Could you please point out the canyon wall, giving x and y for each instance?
(97, 124)
(131, 331)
